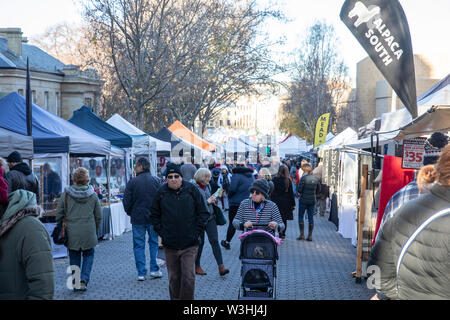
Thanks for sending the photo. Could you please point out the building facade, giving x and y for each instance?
(56, 87)
(374, 95)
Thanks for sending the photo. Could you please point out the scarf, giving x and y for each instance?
(257, 210)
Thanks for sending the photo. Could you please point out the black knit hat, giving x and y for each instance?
(262, 186)
(173, 168)
(14, 157)
(433, 147)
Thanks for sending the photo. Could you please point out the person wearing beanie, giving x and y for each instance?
(433, 147)
(258, 210)
(21, 174)
(179, 215)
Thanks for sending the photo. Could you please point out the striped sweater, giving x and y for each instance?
(247, 213)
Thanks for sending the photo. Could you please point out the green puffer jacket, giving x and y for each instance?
(84, 215)
(26, 261)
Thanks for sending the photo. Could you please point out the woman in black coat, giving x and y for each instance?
(283, 196)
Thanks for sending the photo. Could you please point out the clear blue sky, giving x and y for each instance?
(428, 22)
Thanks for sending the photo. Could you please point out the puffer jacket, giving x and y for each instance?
(26, 261)
(241, 181)
(309, 188)
(415, 242)
(179, 216)
(83, 216)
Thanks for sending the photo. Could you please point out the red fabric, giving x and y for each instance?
(3, 189)
(201, 186)
(393, 179)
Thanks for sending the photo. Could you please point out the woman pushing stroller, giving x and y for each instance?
(257, 210)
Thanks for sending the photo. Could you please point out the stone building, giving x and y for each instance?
(57, 87)
(374, 94)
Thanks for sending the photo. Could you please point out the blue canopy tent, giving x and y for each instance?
(51, 134)
(89, 121)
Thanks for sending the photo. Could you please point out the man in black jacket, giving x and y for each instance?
(137, 201)
(179, 215)
(21, 174)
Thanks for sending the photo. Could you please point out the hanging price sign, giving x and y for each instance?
(413, 152)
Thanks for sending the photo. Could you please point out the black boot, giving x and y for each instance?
(310, 231)
(301, 226)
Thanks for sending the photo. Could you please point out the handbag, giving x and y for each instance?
(218, 215)
(59, 234)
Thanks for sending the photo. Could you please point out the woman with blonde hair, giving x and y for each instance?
(80, 207)
(201, 181)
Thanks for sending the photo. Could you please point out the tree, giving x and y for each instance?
(179, 59)
(319, 82)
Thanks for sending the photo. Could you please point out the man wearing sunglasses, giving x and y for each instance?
(179, 215)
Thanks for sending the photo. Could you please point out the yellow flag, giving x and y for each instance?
(321, 129)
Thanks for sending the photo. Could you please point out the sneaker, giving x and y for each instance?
(156, 274)
(141, 278)
(225, 244)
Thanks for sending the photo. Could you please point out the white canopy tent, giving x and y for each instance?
(236, 145)
(140, 138)
(341, 139)
(11, 141)
(293, 145)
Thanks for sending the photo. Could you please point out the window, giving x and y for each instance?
(88, 102)
(228, 123)
(46, 100)
(33, 96)
(221, 122)
(20, 91)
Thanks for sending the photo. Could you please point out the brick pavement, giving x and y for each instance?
(316, 270)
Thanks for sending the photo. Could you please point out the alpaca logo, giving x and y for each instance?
(363, 13)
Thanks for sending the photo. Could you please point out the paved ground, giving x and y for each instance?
(315, 270)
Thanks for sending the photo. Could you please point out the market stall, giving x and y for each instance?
(53, 139)
(110, 173)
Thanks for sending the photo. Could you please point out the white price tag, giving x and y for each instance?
(413, 153)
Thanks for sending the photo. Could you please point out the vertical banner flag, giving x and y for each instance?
(29, 115)
(321, 129)
(380, 26)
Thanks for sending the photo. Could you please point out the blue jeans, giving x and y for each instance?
(301, 212)
(88, 261)
(139, 232)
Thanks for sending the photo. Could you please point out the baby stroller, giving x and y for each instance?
(258, 271)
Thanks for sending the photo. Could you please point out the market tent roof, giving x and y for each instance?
(180, 130)
(140, 138)
(292, 145)
(236, 145)
(89, 121)
(183, 147)
(437, 118)
(11, 141)
(51, 134)
(342, 138)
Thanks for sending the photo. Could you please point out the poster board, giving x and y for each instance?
(413, 153)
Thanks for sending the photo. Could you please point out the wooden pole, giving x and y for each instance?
(361, 216)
